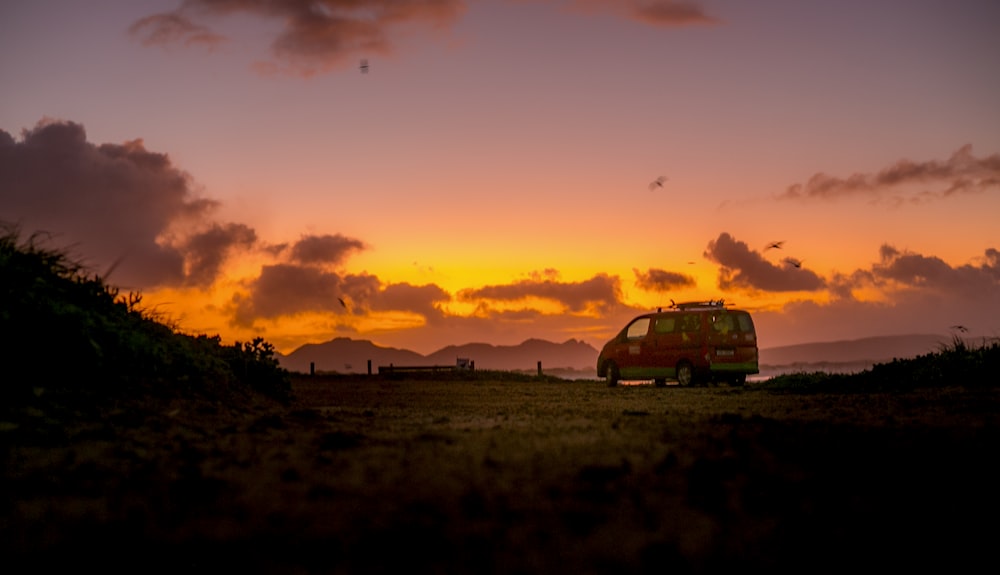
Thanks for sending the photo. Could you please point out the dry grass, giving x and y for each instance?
(367, 475)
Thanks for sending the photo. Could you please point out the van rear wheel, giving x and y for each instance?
(611, 374)
(685, 373)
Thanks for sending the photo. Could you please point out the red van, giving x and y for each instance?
(692, 343)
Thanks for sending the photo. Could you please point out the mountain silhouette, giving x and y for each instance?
(345, 355)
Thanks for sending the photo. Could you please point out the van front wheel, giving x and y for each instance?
(611, 374)
(685, 373)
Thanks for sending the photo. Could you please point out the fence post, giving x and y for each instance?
(369, 367)
(312, 368)
(539, 369)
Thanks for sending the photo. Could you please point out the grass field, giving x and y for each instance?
(368, 475)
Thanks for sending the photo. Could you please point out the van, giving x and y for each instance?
(692, 343)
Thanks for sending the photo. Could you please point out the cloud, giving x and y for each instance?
(206, 251)
(657, 280)
(743, 268)
(911, 270)
(652, 12)
(126, 208)
(671, 13)
(287, 290)
(317, 36)
(598, 294)
(173, 28)
(420, 299)
(325, 249)
(918, 294)
(962, 173)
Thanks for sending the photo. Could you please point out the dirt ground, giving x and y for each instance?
(367, 475)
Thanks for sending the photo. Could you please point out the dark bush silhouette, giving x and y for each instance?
(61, 328)
(956, 364)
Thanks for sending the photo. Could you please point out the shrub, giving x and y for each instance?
(73, 331)
(956, 364)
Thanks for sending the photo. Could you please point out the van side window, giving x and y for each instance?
(665, 324)
(690, 322)
(723, 323)
(638, 328)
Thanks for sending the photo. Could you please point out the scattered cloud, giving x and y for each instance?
(319, 36)
(919, 294)
(116, 203)
(173, 28)
(907, 270)
(746, 269)
(652, 12)
(598, 294)
(671, 13)
(657, 280)
(962, 173)
(289, 289)
(316, 37)
(206, 251)
(424, 300)
(325, 249)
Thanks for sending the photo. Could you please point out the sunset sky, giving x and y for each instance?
(490, 177)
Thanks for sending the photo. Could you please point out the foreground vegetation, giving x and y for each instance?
(128, 447)
(64, 328)
(957, 364)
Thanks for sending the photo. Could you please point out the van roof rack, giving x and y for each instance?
(710, 304)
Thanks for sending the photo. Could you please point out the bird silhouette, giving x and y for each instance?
(342, 302)
(364, 66)
(793, 262)
(960, 328)
(657, 183)
(775, 245)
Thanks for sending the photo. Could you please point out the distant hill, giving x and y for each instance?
(846, 356)
(345, 355)
(874, 349)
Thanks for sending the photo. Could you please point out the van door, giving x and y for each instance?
(679, 338)
(633, 347)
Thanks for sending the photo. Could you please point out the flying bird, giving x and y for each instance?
(364, 66)
(793, 262)
(342, 302)
(960, 328)
(657, 183)
(775, 245)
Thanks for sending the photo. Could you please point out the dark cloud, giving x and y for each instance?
(287, 290)
(657, 280)
(117, 206)
(424, 300)
(920, 294)
(325, 249)
(317, 35)
(206, 251)
(743, 268)
(911, 270)
(961, 173)
(599, 293)
(671, 13)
